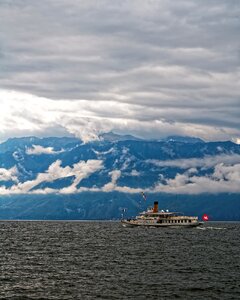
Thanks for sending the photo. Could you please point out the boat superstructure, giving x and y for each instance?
(155, 218)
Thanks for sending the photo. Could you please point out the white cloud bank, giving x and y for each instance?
(225, 178)
(9, 174)
(24, 114)
(55, 171)
(206, 162)
(153, 70)
(38, 150)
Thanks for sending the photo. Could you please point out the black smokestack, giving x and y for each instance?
(155, 207)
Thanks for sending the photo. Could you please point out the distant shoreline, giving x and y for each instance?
(101, 221)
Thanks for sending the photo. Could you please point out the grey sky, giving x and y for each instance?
(155, 67)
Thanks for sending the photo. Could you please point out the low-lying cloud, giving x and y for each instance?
(9, 174)
(206, 162)
(38, 150)
(225, 179)
(55, 171)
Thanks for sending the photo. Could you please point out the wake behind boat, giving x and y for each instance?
(155, 218)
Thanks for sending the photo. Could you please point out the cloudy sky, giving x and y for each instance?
(150, 68)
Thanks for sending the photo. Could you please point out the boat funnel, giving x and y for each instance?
(155, 207)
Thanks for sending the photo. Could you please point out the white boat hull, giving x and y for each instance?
(131, 223)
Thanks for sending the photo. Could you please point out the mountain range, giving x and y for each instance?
(64, 178)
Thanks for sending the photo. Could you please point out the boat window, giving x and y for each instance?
(189, 221)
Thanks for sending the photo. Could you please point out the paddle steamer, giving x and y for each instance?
(155, 218)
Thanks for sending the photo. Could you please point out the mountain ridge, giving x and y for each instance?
(66, 167)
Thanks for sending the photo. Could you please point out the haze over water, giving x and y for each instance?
(90, 260)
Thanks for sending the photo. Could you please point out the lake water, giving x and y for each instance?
(103, 260)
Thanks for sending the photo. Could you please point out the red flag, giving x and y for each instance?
(205, 217)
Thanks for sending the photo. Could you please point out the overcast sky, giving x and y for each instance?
(151, 68)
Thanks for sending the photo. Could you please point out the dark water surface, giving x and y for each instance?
(102, 260)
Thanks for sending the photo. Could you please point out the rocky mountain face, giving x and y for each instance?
(48, 177)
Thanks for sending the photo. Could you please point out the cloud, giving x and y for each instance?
(225, 179)
(24, 114)
(111, 186)
(38, 150)
(236, 141)
(206, 162)
(152, 70)
(82, 170)
(9, 174)
(55, 171)
(135, 173)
